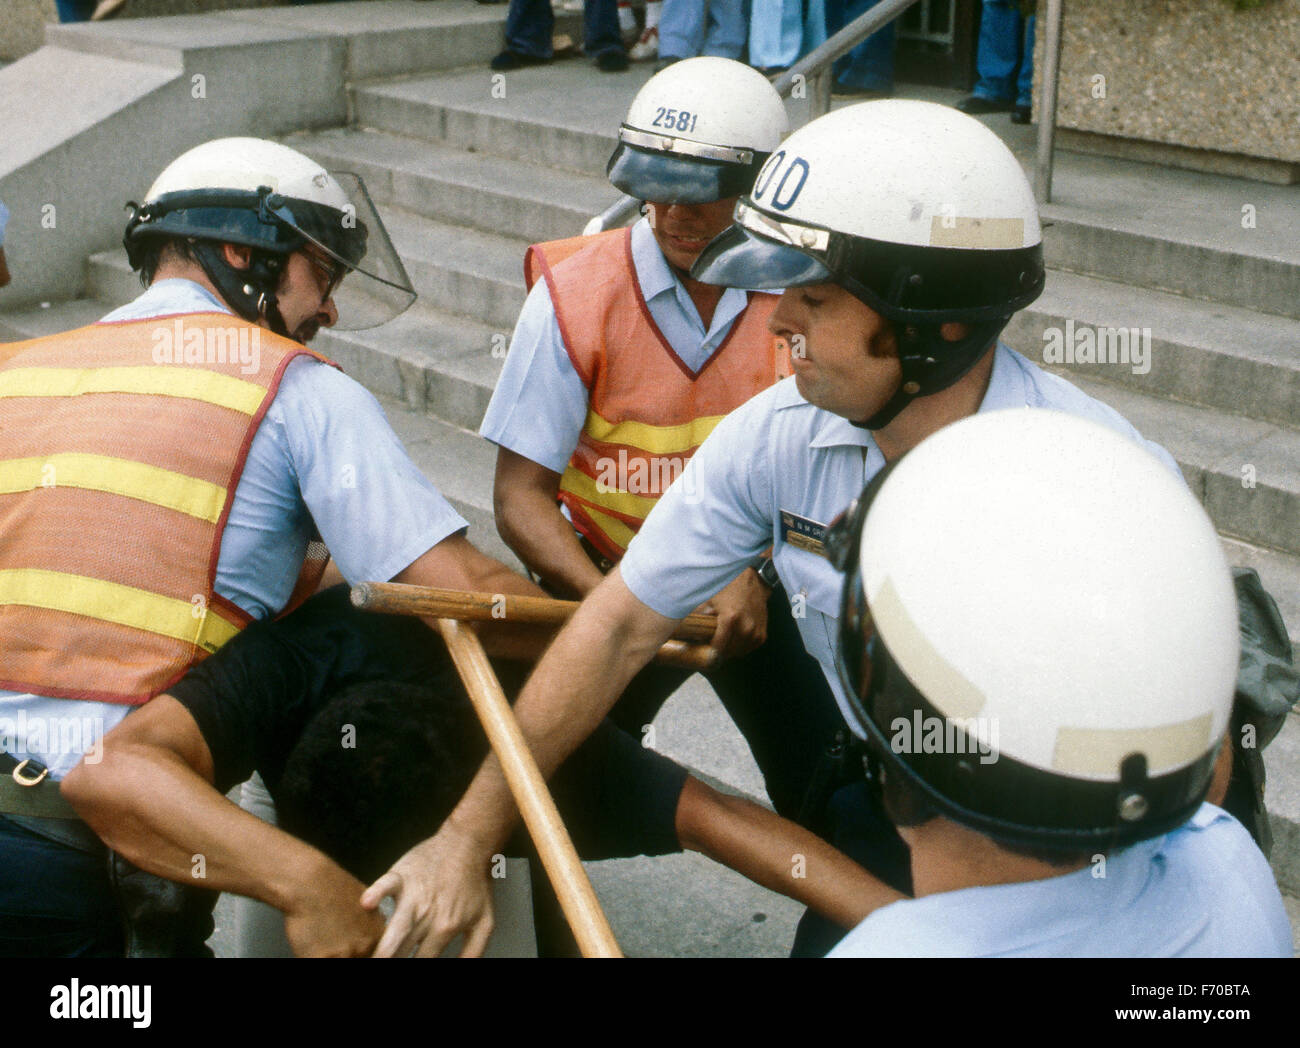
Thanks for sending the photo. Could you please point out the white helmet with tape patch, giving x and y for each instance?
(1051, 596)
(916, 209)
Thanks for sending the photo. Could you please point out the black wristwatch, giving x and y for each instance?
(767, 572)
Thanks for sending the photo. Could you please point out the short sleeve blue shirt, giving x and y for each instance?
(1204, 890)
(778, 460)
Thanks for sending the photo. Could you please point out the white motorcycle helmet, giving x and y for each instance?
(697, 132)
(916, 209)
(275, 200)
(1038, 631)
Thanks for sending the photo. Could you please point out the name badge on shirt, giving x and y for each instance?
(802, 533)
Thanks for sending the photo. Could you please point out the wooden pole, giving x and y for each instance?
(577, 899)
(686, 651)
(468, 606)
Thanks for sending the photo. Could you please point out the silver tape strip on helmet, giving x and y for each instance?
(683, 146)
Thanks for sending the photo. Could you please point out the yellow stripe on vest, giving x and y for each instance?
(113, 602)
(658, 440)
(189, 383)
(611, 526)
(585, 488)
(134, 480)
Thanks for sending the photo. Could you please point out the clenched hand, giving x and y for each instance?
(742, 615)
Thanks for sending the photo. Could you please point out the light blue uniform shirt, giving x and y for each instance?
(539, 405)
(777, 454)
(1204, 890)
(324, 452)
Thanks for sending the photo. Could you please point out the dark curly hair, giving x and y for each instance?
(377, 770)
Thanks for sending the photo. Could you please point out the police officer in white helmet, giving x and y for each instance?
(906, 236)
(1046, 711)
(195, 450)
(618, 368)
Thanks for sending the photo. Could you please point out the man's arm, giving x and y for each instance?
(530, 522)
(778, 854)
(441, 884)
(151, 799)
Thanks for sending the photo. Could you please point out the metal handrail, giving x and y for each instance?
(814, 69)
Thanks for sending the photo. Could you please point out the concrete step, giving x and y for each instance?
(428, 360)
(560, 115)
(1174, 230)
(375, 40)
(1247, 473)
(480, 190)
(463, 271)
(1237, 360)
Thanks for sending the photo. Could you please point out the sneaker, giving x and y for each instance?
(647, 46)
(976, 106)
(1022, 115)
(508, 59)
(612, 61)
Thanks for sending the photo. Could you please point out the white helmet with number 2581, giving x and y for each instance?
(697, 132)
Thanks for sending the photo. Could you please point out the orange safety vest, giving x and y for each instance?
(647, 411)
(121, 446)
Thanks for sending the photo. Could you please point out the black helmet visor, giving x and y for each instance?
(667, 170)
(738, 258)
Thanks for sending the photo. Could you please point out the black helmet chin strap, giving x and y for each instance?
(932, 364)
(249, 292)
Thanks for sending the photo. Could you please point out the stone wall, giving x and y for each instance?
(1199, 76)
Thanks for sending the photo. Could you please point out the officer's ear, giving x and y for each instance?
(951, 332)
(237, 256)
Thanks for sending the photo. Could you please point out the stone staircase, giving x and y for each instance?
(468, 169)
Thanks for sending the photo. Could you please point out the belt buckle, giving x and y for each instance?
(23, 779)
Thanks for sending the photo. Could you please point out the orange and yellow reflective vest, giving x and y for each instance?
(121, 446)
(647, 411)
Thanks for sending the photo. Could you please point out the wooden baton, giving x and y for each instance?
(688, 649)
(572, 887)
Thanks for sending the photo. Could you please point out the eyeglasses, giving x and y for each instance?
(330, 268)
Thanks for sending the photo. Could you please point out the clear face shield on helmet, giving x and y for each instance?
(368, 282)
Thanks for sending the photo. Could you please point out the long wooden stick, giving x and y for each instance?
(577, 899)
(399, 599)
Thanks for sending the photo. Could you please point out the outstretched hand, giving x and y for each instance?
(441, 890)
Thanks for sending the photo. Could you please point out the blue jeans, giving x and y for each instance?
(530, 23)
(1005, 58)
(780, 31)
(684, 31)
(55, 900)
(870, 65)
